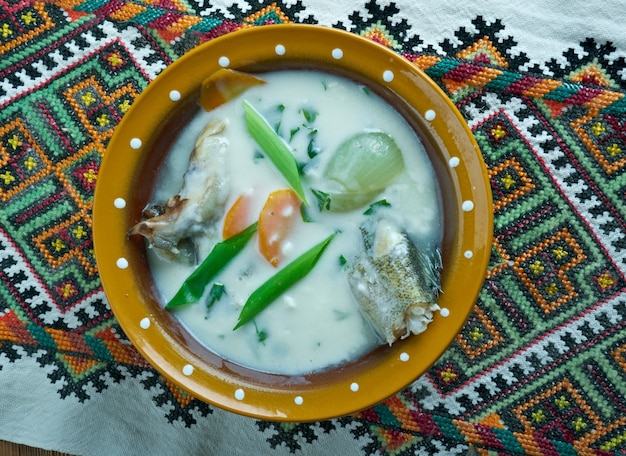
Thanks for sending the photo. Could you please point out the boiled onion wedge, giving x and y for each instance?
(361, 168)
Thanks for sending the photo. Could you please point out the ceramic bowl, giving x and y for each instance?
(125, 183)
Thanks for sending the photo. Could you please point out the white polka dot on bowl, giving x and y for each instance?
(135, 143)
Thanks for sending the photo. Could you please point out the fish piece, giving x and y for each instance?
(395, 283)
(171, 229)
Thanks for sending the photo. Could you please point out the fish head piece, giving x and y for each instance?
(395, 280)
(156, 227)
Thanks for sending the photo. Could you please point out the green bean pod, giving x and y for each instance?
(276, 285)
(193, 287)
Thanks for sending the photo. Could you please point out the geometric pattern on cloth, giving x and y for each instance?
(540, 366)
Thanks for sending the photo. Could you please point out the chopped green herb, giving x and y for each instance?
(293, 132)
(312, 150)
(215, 294)
(340, 314)
(325, 86)
(366, 90)
(274, 147)
(312, 130)
(377, 204)
(280, 107)
(323, 199)
(193, 287)
(258, 155)
(309, 115)
(301, 166)
(276, 285)
(342, 260)
(260, 335)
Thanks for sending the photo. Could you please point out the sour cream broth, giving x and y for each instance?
(316, 324)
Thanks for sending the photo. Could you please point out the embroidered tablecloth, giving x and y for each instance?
(540, 366)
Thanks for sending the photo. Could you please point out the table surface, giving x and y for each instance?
(13, 449)
(540, 365)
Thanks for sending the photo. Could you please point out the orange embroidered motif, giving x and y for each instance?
(483, 336)
(565, 254)
(483, 51)
(516, 182)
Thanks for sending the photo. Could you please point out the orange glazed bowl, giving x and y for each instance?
(126, 182)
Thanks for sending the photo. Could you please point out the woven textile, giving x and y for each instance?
(540, 366)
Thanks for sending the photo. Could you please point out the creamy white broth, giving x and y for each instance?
(317, 323)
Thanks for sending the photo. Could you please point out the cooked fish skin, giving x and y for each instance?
(200, 202)
(395, 283)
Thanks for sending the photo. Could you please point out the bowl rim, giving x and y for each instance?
(291, 398)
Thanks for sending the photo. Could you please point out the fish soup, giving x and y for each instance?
(357, 291)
